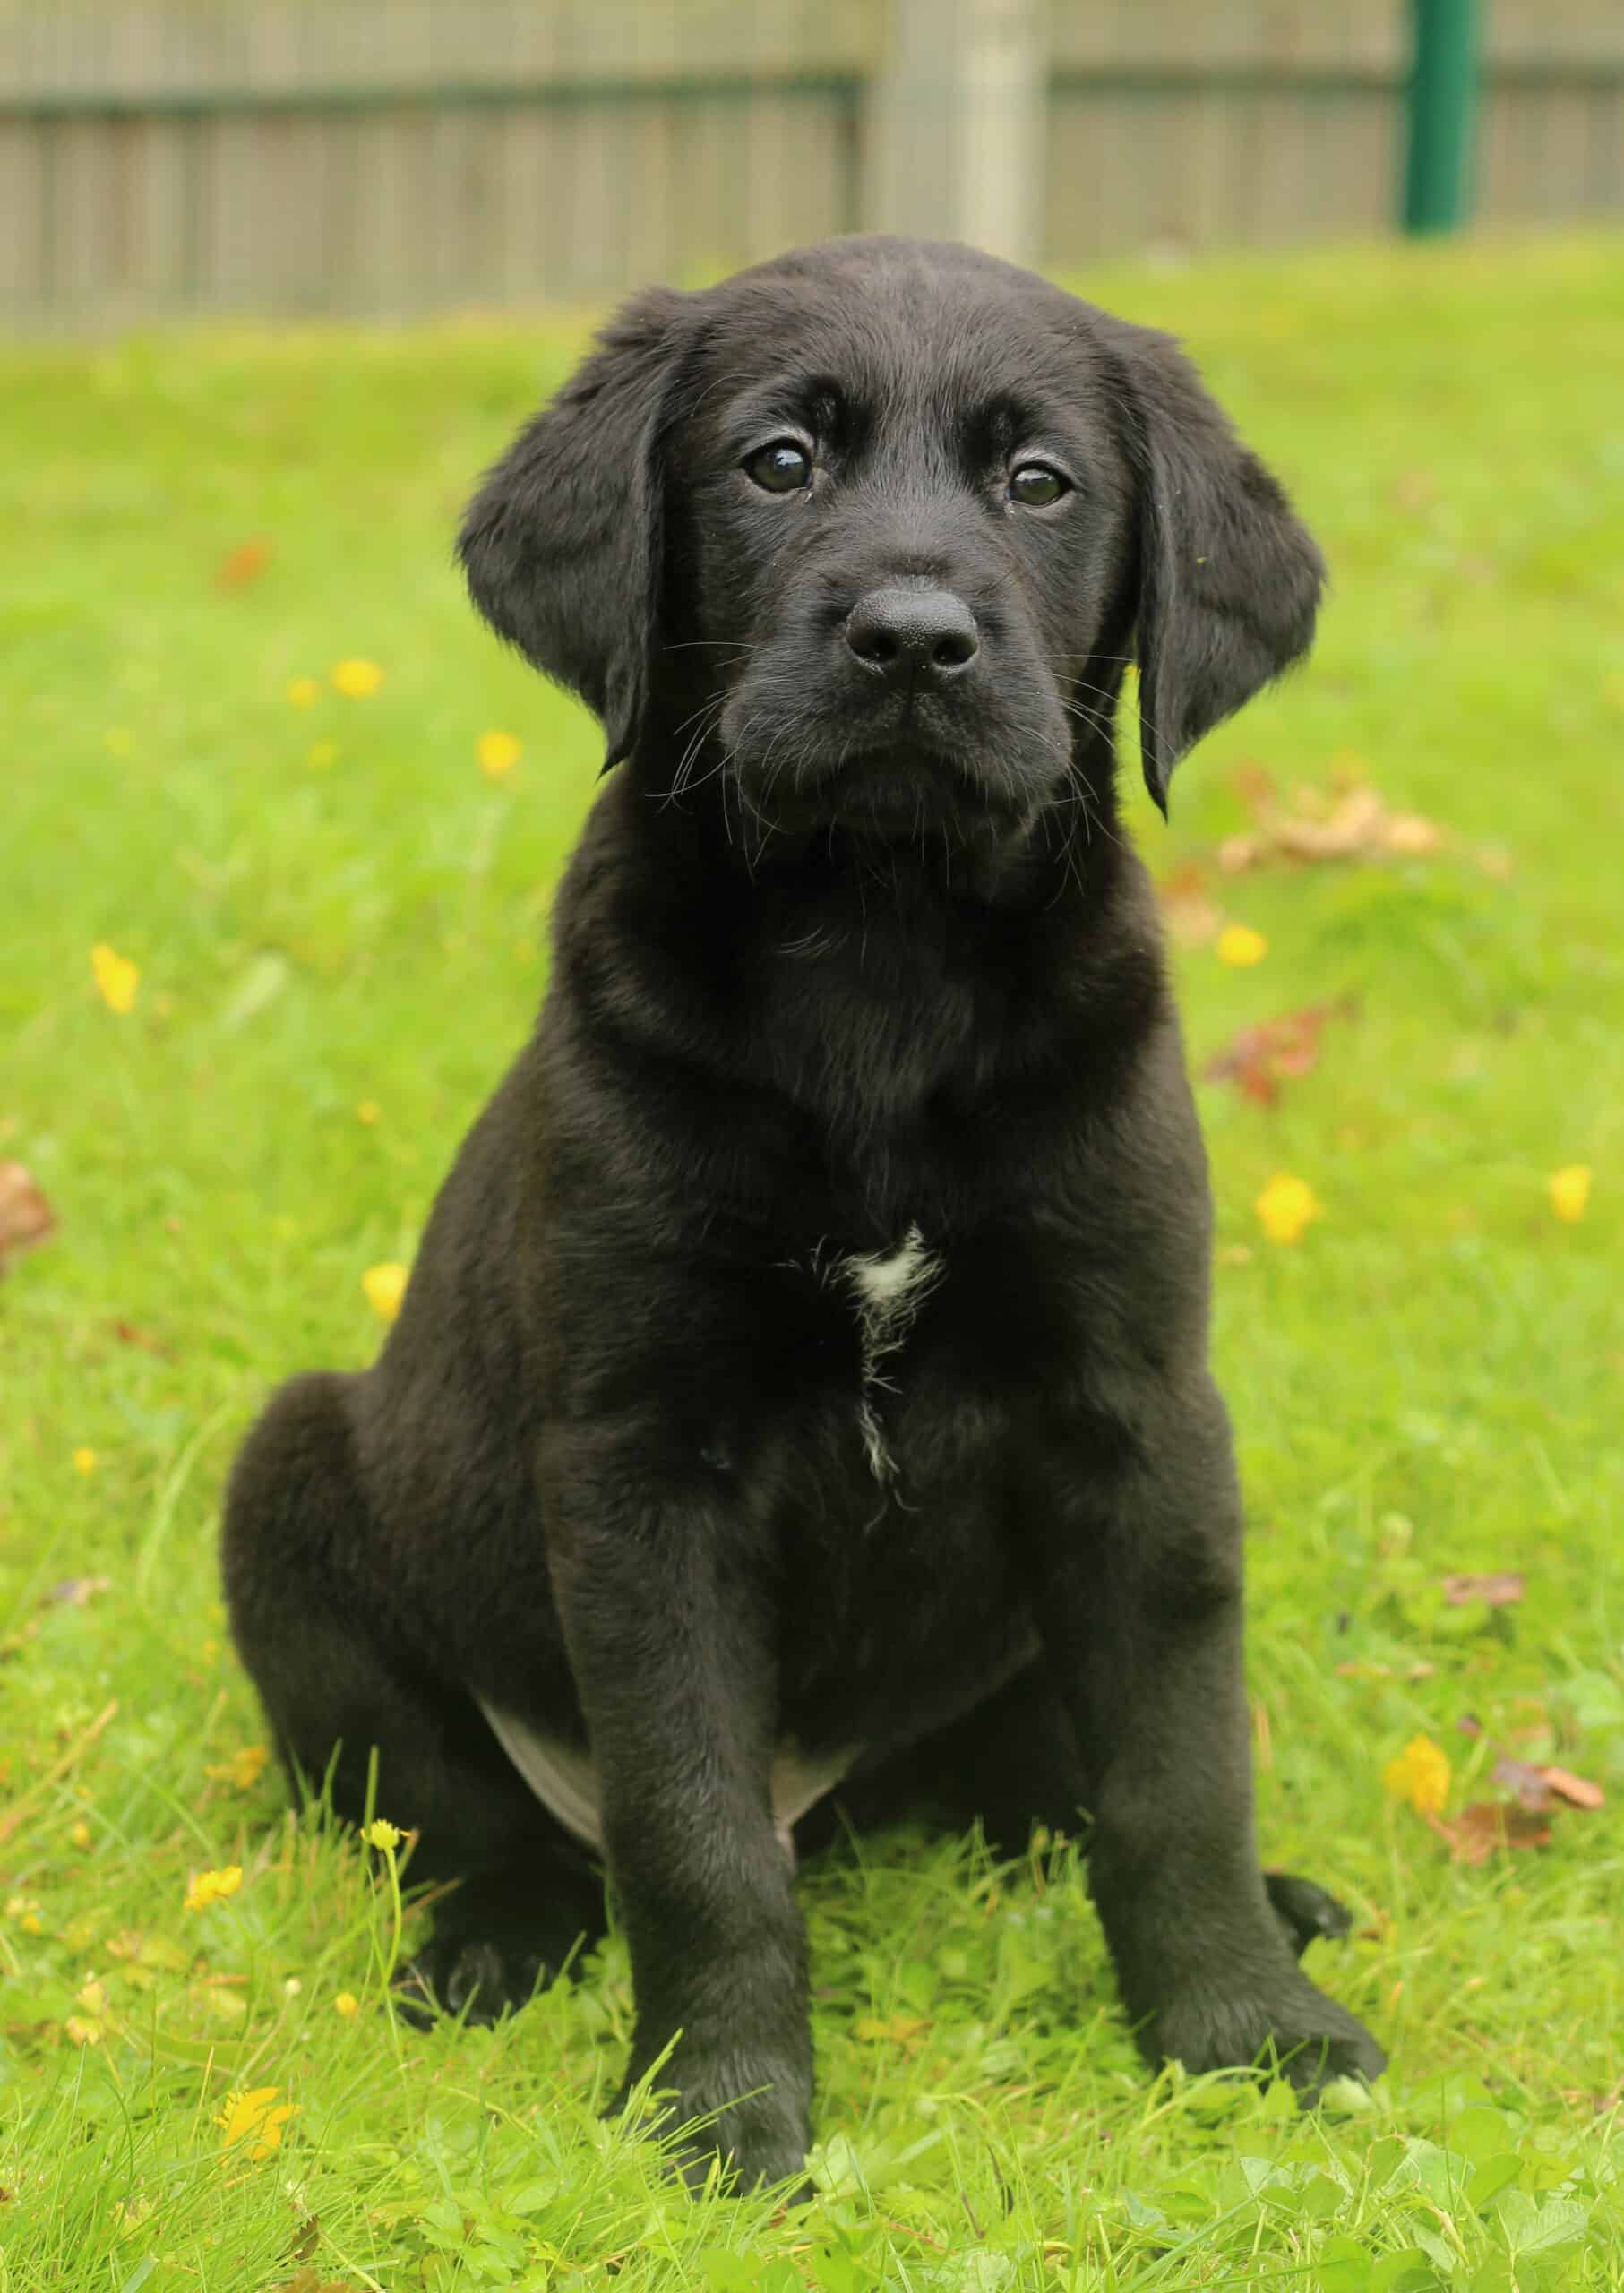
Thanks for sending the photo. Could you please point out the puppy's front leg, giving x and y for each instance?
(673, 1654)
(1141, 1576)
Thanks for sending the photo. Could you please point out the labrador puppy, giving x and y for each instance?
(802, 1388)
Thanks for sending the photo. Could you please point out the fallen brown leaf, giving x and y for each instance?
(1578, 1790)
(1480, 1830)
(1498, 1590)
(1526, 1782)
(26, 1217)
(128, 1334)
(1353, 822)
(242, 565)
(1260, 1058)
(79, 1592)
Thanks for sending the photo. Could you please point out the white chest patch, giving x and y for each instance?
(887, 1294)
(565, 1779)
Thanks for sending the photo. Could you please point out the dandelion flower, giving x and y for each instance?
(250, 2117)
(1569, 1192)
(85, 1461)
(1286, 1207)
(1420, 1774)
(385, 1286)
(383, 1836)
(116, 975)
(205, 1887)
(498, 753)
(81, 1834)
(304, 692)
(347, 2003)
(243, 1769)
(357, 680)
(367, 1111)
(1238, 945)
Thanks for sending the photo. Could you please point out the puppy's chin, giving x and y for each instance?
(900, 797)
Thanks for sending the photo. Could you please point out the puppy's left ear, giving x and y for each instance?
(1229, 580)
(562, 543)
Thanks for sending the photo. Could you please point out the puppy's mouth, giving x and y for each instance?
(886, 792)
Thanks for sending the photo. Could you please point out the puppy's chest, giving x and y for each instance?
(881, 1293)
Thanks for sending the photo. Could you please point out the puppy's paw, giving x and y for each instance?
(475, 1976)
(756, 2139)
(1294, 2029)
(1306, 1912)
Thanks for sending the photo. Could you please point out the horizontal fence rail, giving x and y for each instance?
(395, 156)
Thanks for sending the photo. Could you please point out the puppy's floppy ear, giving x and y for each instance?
(1229, 581)
(562, 545)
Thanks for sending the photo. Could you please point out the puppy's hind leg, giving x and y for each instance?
(308, 1589)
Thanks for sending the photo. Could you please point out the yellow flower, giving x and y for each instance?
(83, 2029)
(80, 1834)
(116, 976)
(304, 692)
(85, 1461)
(382, 1836)
(320, 754)
(498, 753)
(92, 1997)
(1285, 1207)
(367, 1111)
(243, 1769)
(25, 1914)
(1420, 1774)
(347, 2003)
(1569, 1192)
(249, 2117)
(1240, 945)
(355, 680)
(385, 1286)
(205, 1887)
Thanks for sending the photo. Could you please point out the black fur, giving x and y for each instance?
(850, 945)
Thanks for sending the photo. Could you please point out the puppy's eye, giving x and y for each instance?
(1034, 486)
(782, 467)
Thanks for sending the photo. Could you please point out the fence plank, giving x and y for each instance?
(402, 155)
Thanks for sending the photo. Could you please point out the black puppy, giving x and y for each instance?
(802, 1382)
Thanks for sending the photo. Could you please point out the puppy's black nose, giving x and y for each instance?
(913, 632)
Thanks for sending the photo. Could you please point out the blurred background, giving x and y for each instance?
(393, 156)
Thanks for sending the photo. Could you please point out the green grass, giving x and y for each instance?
(1431, 1379)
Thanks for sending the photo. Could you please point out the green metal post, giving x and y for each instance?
(1442, 112)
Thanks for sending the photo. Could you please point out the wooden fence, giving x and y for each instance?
(390, 156)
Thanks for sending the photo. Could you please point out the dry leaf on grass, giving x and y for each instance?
(1498, 1590)
(242, 565)
(26, 1217)
(1347, 823)
(1480, 1830)
(1260, 1059)
(78, 1592)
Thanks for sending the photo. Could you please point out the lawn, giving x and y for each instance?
(337, 914)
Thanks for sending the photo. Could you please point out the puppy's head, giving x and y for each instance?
(875, 529)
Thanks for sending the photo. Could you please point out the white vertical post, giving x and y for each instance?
(956, 124)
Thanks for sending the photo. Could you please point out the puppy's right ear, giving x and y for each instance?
(562, 545)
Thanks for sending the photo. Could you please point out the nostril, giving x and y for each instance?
(913, 629)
